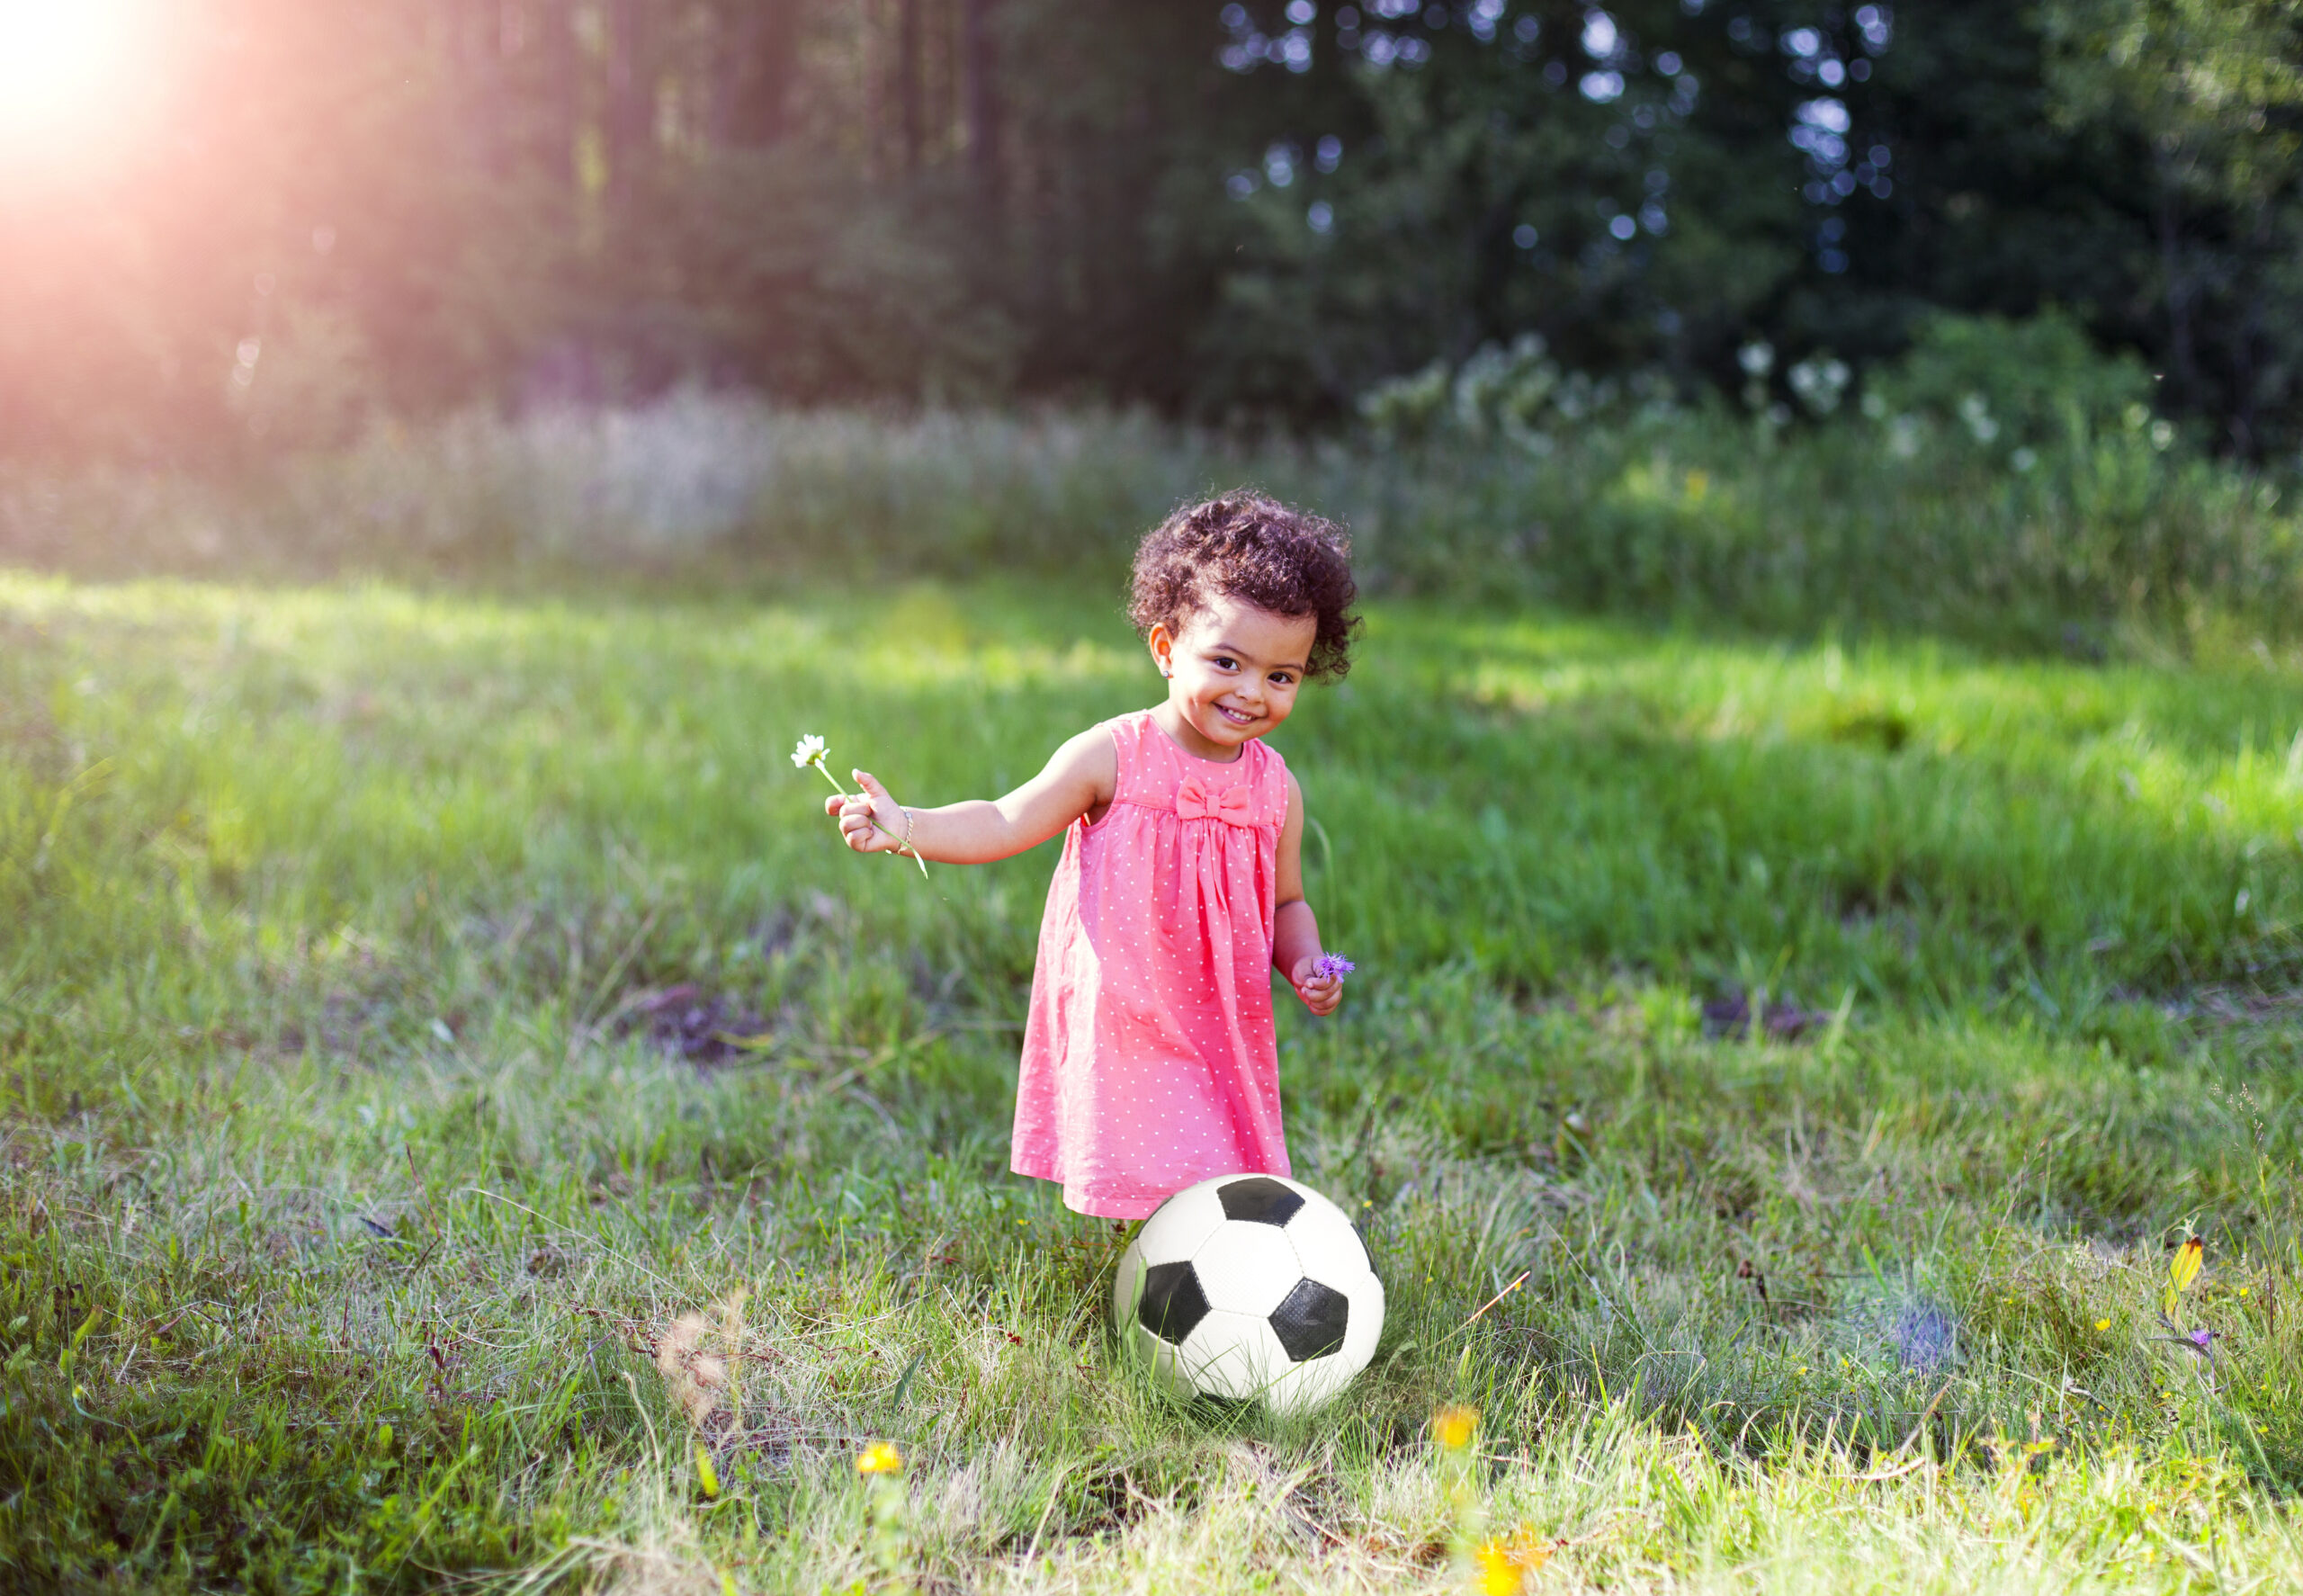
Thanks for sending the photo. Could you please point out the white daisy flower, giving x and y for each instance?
(809, 752)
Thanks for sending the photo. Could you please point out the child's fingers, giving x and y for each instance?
(854, 815)
(1322, 992)
(882, 809)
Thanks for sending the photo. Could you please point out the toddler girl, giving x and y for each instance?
(1149, 1059)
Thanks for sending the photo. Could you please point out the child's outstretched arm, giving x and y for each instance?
(1296, 932)
(1081, 778)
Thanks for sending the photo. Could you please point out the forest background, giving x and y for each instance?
(304, 214)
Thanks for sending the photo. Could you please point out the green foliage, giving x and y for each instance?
(2035, 384)
(1213, 211)
(2202, 78)
(1505, 479)
(1517, 395)
(2001, 470)
(361, 1165)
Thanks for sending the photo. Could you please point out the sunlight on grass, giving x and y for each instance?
(416, 1005)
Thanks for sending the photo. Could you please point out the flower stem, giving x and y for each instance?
(882, 831)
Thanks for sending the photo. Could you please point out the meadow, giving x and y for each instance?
(464, 1124)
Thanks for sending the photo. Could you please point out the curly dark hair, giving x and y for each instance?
(1249, 546)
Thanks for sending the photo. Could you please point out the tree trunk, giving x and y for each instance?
(480, 37)
(907, 107)
(980, 99)
(2243, 362)
(557, 69)
(755, 72)
(2168, 223)
(872, 48)
(631, 99)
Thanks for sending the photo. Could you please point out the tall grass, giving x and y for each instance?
(1694, 513)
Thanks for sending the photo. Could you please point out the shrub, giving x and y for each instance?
(1507, 478)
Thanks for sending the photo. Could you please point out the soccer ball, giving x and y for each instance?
(1249, 1285)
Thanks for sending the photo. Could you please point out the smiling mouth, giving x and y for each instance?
(1236, 717)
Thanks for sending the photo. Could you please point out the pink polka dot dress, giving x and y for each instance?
(1149, 1059)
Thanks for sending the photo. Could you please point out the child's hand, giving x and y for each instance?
(870, 821)
(1321, 994)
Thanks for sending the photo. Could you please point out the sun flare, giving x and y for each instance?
(62, 66)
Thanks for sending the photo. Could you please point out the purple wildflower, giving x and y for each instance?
(1333, 966)
(2199, 1342)
(1925, 1336)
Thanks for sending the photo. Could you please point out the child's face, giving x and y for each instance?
(1233, 669)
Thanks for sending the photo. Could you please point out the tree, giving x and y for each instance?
(2211, 88)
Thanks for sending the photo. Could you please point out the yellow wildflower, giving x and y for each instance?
(1453, 1428)
(1503, 1564)
(880, 1457)
(2184, 1267)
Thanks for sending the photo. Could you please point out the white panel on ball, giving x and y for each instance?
(1247, 1268)
(1303, 1386)
(1331, 1249)
(1181, 1225)
(1367, 1326)
(1232, 1355)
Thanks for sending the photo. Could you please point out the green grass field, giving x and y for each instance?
(466, 1123)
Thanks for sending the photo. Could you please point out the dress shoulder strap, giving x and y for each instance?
(1134, 739)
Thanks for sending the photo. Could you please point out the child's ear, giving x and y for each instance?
(1163, 644)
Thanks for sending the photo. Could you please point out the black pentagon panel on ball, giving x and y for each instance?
(1311, 1320)
(1259, 1199)
(1172, 1304)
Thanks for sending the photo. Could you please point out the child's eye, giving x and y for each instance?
(1224, 662)
(1280, 678)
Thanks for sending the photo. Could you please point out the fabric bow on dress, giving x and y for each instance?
(1193, 802)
